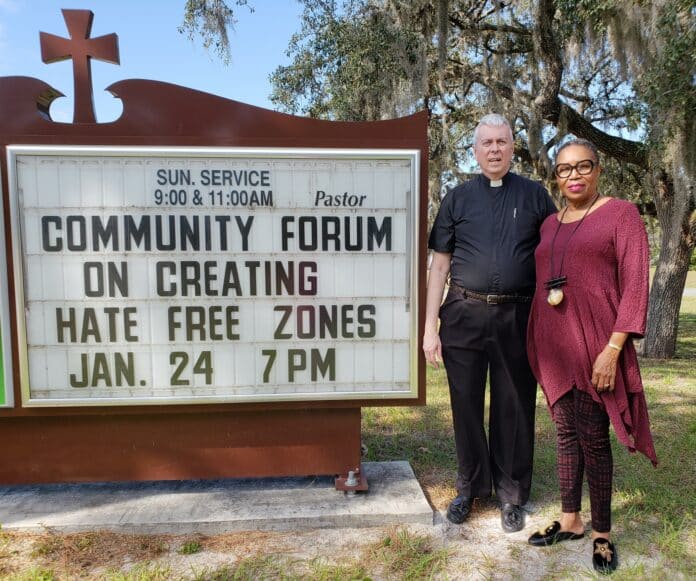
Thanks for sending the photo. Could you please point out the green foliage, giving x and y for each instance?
(411, 556)
(320, 570)
(142, 572)
(669, 83)
(348, 62)
(269, 567)
(260, 567)
(190, 548)
(211, 19)
(34, 574)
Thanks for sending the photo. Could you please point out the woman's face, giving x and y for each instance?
(577, 172)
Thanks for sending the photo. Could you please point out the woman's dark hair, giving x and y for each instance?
(581, 142)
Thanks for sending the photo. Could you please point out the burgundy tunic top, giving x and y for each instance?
(606, 262)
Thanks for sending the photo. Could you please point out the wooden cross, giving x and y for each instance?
(81, 49)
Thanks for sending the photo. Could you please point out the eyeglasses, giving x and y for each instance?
(584, 167)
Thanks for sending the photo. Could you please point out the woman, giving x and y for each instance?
(591, 299)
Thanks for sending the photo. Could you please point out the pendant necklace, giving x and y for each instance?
(555, 283)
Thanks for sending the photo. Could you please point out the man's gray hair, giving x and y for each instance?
(491, 120)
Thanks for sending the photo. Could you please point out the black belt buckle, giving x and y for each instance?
(491, 299)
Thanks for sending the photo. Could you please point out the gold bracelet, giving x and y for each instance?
(614, 346)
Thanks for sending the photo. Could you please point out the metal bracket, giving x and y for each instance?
(355, 481)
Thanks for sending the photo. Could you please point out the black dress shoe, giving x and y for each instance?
(511, 517)
(552, 535)
(459, 509)
(605, 559)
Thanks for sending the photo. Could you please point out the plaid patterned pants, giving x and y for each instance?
(582, 433)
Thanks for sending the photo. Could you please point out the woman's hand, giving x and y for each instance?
(604, 369)
(432, 348)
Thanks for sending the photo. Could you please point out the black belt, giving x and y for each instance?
(491, 299)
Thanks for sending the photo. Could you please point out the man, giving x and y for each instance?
(484, 239)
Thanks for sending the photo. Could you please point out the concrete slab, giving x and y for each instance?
(217, 506)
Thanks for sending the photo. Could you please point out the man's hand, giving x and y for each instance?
(439, 271)
(432, 349)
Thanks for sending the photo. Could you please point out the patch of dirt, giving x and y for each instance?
(478, 549)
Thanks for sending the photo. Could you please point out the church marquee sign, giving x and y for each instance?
(200, 288)
(168, 275)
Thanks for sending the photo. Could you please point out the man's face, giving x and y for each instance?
(493, 150)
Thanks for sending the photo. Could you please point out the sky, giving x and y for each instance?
(150, 47)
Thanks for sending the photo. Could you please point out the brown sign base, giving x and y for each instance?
(179, 446)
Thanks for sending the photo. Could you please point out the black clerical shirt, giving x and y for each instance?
(492, 232)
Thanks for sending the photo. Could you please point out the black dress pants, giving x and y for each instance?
(477, 338)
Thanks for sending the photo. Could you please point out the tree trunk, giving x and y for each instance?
(674, 213)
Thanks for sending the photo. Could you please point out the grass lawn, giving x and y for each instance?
(654, 509)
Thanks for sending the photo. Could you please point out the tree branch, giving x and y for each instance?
(551, 108)
(617, 147)
(487, 26)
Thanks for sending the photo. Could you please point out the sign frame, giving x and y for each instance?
(6, 376)
(168, 153)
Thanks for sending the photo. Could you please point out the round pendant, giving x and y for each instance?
(555, 297)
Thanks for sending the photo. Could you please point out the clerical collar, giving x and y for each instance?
(493, 183)
(499, 183)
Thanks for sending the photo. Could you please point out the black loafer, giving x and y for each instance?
(605, 559)
(511, 517)
(552, 535)
(459, 509)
